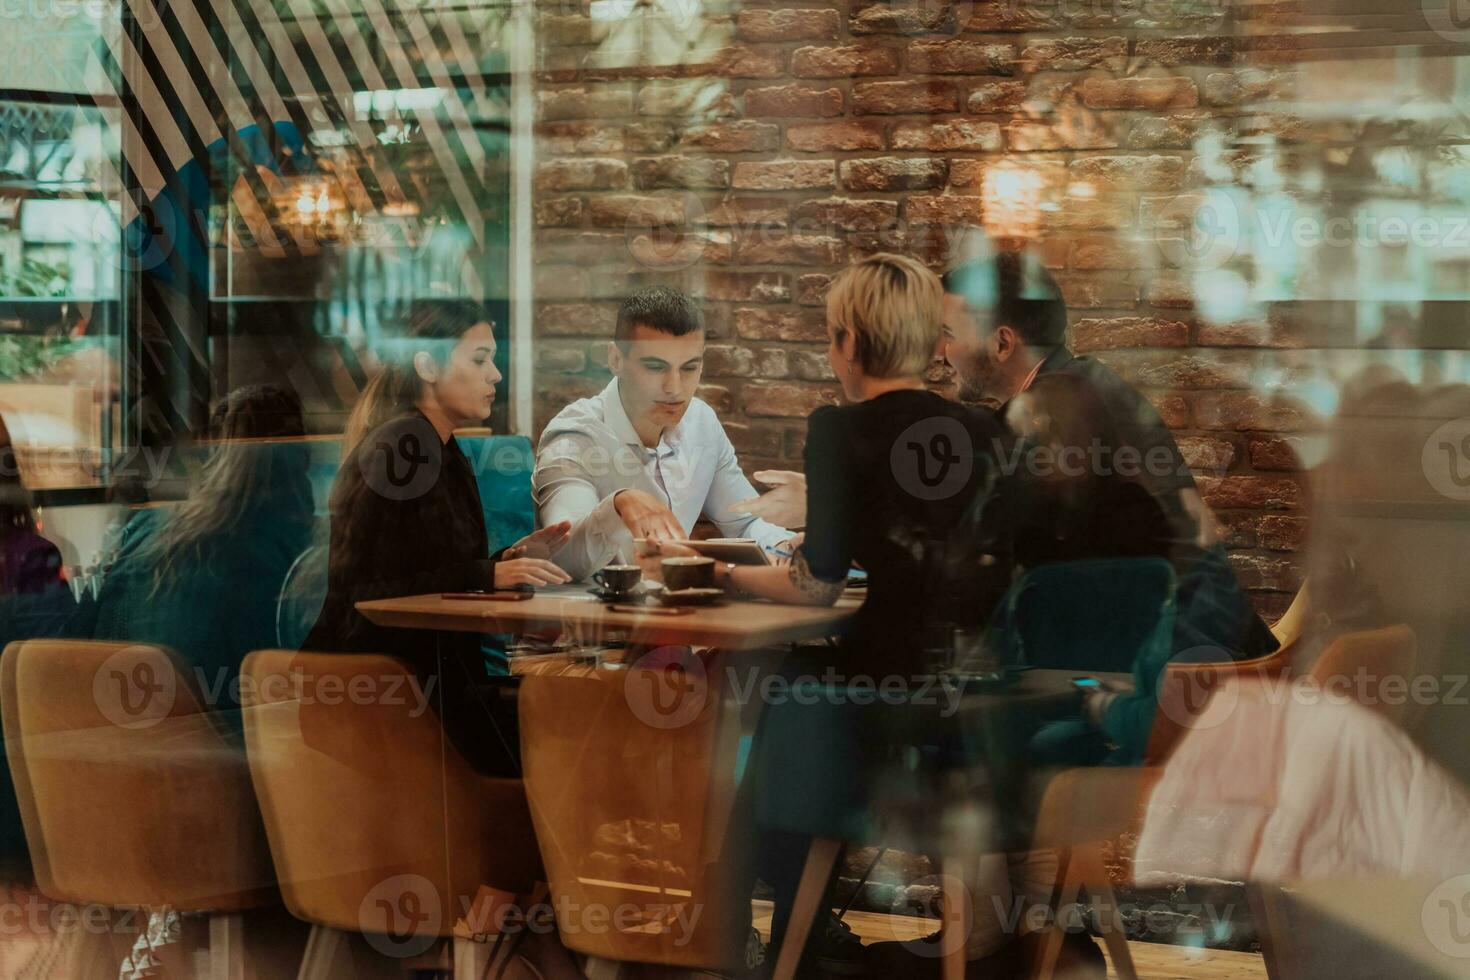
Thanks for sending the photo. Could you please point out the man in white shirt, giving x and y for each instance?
(644, 457)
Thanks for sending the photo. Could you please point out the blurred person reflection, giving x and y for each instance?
(203, 578)
(406, 518)
(1119, 488)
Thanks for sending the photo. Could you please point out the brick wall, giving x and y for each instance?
(748, 153)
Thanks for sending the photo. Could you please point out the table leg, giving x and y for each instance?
(957, 917)
(820, 861)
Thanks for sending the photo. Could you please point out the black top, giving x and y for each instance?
(1118, 495)
(406, 520)
(899, 484)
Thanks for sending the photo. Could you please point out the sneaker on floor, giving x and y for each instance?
(834, 949)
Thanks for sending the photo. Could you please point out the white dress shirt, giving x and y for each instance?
(590, 451)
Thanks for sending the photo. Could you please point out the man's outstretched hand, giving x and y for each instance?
(784, 504)
(645, 516)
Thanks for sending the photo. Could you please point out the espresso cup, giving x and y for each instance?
(688, 573)
(619, 579)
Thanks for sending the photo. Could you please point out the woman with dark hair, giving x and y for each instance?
(407, 518)
(203, 578)
(29, 564)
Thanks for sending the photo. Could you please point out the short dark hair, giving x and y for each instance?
(661, 307)
(1014, 289)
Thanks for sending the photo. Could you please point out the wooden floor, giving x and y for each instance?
(1152, 961)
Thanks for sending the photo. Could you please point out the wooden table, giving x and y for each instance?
(731, 625)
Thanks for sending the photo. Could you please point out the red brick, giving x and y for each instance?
(555, 138)
(578, 247)
(742, 287)
(648, 137)
(719, 398)
(781, 249)
(1205, 454)
(885, 18)
(559, 211)
(1128, 331)
(619, 210)
(560, 360)
(671, 249)
(1260, 572)
(698, 97)
(1164, 132)
(1106, 213)
(787, 101)
(1103, 252)
(1107, 292)
(731, 361)
(683, 170)
(893, 174)
(998, 16)
(811, 365)
(847, 61)
(786, 400)
(811, 290)
(801, 24)
(1247, 411)
(1172, 408)
(894, 98)
(1167, 292)
(559, 31)
(849, 214)
(785, 175)
(591, 102)
(1251, 492)
(1138, 93)
(1277, 453)
(1178, 369)
(1278, 532)
(741, 136)
(743, 61)
(754, 440)
(554, 394)
(844, 135)
(960, 57)
(749, 212)
(1244, 86)
(944, 210)
(996, 97)
(585, 173)
(1075, 54)
(801, 325)
(1249, 334)
(575, 320)
(561, 282)
(1082, 133)
(1110, 174)
(957, 134)
(1175, 51)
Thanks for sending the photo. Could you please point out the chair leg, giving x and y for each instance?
(470, 958)
(227, 947)
(820, 861)
(327, 955)
(1262, 906)
(1067, 888)
(598, 968)
(1113, 938)
(957, 917)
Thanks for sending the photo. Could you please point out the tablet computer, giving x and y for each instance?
(739, 551)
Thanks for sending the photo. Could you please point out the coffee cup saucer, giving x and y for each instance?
(641, 592)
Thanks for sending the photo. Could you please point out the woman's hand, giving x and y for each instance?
(528, 571)
(542, 543)
(784, 504)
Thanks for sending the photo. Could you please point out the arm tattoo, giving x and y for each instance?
(809, 585)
